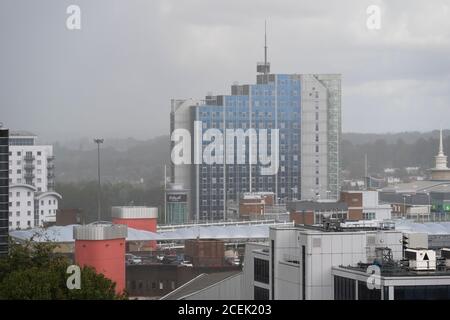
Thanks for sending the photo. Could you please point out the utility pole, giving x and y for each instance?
(98, 142)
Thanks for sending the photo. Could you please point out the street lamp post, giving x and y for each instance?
(98, 142)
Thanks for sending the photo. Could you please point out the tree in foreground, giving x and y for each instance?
(33, 271)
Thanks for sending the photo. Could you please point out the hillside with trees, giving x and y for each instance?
(133, 170)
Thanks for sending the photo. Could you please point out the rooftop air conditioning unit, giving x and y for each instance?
(445, 253)
(421, 259)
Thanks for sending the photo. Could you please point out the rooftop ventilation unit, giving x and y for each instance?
(421, 259)
(445, 253)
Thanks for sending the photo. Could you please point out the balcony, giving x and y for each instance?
(51, 158)
(50, 175)
(50, 166)
(29, 157)
(29, 175)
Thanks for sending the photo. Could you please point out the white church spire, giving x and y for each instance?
(441, 158)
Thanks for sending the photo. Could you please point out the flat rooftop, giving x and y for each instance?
(397, 270)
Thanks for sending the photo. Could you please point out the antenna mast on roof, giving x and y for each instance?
(264, 67)
(265, 47)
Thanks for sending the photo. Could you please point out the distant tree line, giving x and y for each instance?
(133, 170)
(381, 155)
(83, 196)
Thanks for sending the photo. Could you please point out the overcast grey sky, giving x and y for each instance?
(115, 77)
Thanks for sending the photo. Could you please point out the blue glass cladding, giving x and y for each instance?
(268, 110)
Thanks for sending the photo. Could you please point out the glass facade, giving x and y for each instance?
(260, 293)
(272, 104)
(261, 270)
(21, 141)
(364, 293)
(422, 293)
(344, 289)
(176, 213)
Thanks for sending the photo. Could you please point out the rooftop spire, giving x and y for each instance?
(265, 44)
(441, 158)
(441, 145)
(264, 67)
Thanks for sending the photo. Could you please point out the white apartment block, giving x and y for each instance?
(32, 201)
(30, 163)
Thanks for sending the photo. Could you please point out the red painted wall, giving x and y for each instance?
(106, 256)
(139, 224)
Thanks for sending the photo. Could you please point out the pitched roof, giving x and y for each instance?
(199, 283)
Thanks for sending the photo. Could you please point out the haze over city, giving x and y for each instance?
(116, 76)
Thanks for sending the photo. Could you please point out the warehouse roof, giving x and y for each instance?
(65, 233)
